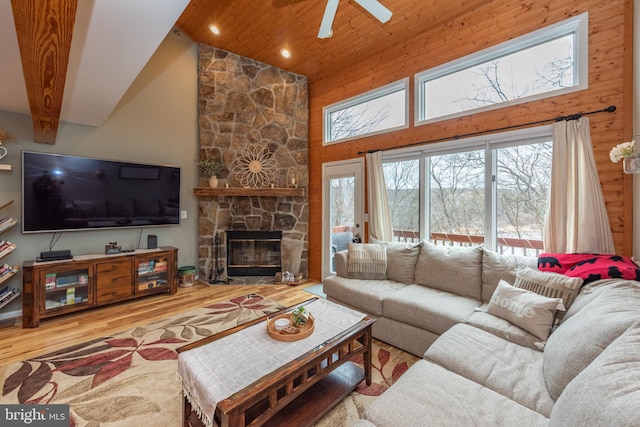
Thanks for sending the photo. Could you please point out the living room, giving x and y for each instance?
(157, 121)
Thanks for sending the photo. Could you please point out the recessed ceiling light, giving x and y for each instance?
(285, 53)
(215, 30)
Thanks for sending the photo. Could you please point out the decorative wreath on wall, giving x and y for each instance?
(254, 166)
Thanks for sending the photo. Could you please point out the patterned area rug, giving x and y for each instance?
(389, 363)
(130, 378)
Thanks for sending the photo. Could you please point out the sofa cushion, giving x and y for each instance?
(430, 309)
(362, 294)
(610, 307)
(453, 269)
(401, 261)
(496, 267)
(551, 285)
(367, 261)
(532, 312)
(428, 394)
(607, 392)
(503, 329)
(504, 367)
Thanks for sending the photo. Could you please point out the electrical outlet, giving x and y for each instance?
(183, 214)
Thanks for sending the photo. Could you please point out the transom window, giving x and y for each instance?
(545, 63)
(381, 110)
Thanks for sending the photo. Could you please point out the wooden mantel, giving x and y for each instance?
(239, 191)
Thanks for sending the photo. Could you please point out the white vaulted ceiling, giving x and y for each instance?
(111, 42)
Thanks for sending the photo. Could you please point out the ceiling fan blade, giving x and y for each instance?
(327, 19)
(376, 8)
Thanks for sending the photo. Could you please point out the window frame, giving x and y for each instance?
(578, 25)
(489, 143)
(378, 92)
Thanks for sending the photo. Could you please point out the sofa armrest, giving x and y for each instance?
(340, 263)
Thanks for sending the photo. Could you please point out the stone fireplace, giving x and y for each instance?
(245, 102)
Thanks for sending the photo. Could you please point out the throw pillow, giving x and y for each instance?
(527, 310)
(550, 285)
(496, 266)
(367, 261)
(401, 261)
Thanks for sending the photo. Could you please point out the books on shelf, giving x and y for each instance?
(7, 222)
(7, 270)
(7, 295)
(152, 266)
(6, 247)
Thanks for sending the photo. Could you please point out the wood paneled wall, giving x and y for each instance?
(610, 77)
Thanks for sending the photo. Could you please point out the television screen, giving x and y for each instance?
(63, 193)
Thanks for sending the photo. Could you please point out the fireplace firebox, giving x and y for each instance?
(253, 253)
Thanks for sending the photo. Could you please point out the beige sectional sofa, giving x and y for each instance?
(426, 290)
(479, 369)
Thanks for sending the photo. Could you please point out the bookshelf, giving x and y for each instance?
(7, 271)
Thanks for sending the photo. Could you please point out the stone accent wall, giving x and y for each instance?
(244, 102)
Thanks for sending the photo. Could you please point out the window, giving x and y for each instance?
(545, 63)
(491, 191)
(380, 110)
(403, 192)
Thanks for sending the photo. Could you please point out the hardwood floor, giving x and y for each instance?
(18, 344)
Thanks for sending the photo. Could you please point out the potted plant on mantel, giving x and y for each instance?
(211, 168)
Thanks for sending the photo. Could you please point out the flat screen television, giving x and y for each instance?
(65, 193)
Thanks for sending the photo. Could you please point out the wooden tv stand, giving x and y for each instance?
(59, 287)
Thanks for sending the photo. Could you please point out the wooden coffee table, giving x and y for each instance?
(302, 391)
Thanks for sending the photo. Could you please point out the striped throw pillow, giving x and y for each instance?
(367, 261)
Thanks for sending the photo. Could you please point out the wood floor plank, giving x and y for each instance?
(56, 333)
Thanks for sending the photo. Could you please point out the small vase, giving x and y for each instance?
(631, 164)
(213, 181)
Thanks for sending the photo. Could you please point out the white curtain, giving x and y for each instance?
(576, 220)
(380, 227)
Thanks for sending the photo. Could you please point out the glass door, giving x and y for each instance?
(342, 208)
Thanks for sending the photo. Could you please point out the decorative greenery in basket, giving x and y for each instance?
(300, 316)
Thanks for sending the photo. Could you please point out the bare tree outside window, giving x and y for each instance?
(342, 200)
(457, 193)
(403, 191)
(382, 109)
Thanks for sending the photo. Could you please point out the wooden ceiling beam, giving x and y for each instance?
(44, 29)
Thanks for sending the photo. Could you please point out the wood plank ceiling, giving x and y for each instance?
(259, 29)
(255, 29)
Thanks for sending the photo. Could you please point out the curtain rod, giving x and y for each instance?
(609, 109)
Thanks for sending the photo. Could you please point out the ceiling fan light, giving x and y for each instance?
(214, 29)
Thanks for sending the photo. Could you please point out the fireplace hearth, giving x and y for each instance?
(253, 253)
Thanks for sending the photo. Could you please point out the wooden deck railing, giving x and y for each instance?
(505, 244)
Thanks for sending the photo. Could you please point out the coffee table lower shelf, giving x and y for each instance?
(311, 405)
(318, 400)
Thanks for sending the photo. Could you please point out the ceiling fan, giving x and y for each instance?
(374, 7)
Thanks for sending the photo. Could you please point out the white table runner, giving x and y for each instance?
(215, 371)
